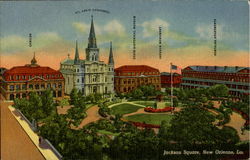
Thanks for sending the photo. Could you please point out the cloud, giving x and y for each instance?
(206, 31)
(114, 27)
(81, 27)
(13, 43)
(150, 28)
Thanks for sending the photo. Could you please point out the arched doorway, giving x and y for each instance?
(12, 96)
(95, 89)
(54, 93)
(24, 95)
(59, 93)
(18, 95)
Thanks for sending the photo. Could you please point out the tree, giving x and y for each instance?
(219, 91)
(175, 102)
(137, 93)
(47, 102)
(194, 125)
(74, 96)
(163, 131)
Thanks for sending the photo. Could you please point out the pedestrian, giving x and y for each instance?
(40, 140)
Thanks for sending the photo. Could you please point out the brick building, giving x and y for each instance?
(19, 81)
(166, 80)
(129, 77)
(235, 78)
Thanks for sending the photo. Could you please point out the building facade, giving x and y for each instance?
(129, 77)
(166, 80)
(235, 78)
(19, 81)
(90, 75)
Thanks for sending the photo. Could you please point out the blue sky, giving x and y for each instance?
(185, 23)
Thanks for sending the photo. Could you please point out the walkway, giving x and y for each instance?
(44, 148)
(15, 143)
(92, 116)
(237, 122)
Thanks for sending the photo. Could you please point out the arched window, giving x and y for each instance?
(54, 85)
(12, 87)
(18, 87)
(60, 85)
(37, 86)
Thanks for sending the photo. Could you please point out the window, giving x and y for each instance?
(30, 86)
(42, 86)
(17, 77)
(48, 85)
(12, 87)
(77, 80)
(18, 87)
(82, 80)
(60, 85)
(54, 85)
(37, 86)
(30, 76)
(24, 86)
(23, 77)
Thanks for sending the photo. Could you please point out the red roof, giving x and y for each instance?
(31, 70)
(136, 68)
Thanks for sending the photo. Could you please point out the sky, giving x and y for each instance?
(187, 31)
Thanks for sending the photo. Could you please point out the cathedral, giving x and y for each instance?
(90, 75)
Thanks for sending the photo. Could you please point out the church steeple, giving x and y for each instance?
(111, 58)
(77, 59)
(92, 38)
(92, 52)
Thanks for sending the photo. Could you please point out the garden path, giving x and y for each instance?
(237, 122)
(92, 116)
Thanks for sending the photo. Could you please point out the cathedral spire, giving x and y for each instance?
(77, 59)
(92, 39)
(111, 58)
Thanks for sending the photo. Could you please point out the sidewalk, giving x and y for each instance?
(46, 152)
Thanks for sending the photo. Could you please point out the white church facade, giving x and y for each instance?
(90, 75)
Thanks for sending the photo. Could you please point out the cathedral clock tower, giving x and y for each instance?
(92, 52)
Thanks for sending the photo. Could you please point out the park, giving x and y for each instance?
(95, 127)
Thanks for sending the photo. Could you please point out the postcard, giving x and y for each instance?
(124, 80)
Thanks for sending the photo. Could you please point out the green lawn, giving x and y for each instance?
(145, 103)
(108, 132)
(124, 109)
(150, 118)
